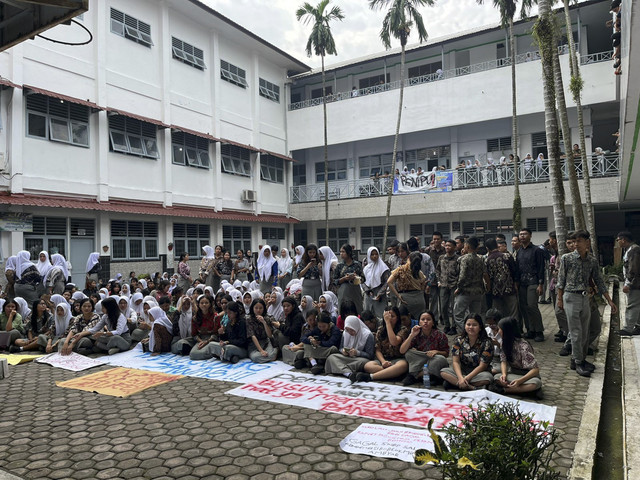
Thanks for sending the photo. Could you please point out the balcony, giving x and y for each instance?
(447, 74)
(463, 179)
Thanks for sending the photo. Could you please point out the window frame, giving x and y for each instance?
(274, 167)
(44, 112)
(188, 54)
(340, 237)
(233, 74)
(129, 239)
(230, 242)
(128, 135)
(332, 171)
(130, 28)
(201, 238)
(235, 165)
(269, 90)
(187, 142)
(375, 240)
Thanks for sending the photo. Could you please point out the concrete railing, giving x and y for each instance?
(463, 178)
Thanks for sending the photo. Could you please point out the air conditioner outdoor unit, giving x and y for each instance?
(249, 196)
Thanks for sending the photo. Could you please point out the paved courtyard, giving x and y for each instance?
(192, 429)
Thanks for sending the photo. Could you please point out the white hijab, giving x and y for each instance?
(62, 322)
(184, 323)
(329, 260)
(265, 263)
(128, 310)
(309, 306)
(299, 253)
(359, 340)
(284, 263)
(23, 309)
(10, 264)
(23, 261)
(209, 251)
(44, 267)
(92, 261)
(159, 318)
(275, 310)
(132, 303)
(332, 303)
(59, 262)
(373, 271)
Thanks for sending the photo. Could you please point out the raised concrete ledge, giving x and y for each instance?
(582, 465)
(630, 353)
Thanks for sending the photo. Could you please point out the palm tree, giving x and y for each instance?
(507, 9)
(321, 43)
(400, 18)
(544, 32)
(576, 91)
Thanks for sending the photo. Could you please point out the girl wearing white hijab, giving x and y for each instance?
(127, 311)
(125, 290)
(136, 303)
(376, 273)
(29, 282)
(207, 267)
(93, 268)
(44, 264)
(161, 334)
(10, 274)
(59, 330)
(267, 270)
(58, 274)
(328, 302)
(274, 308)
(298, 258)
(285, 267)
(329, 263)
(144, 321)
(184, 316)
(357, 347)
(23, 308)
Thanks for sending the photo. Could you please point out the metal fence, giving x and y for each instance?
(463, 178)
(445, 74)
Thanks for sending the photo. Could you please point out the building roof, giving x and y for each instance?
(139, 208)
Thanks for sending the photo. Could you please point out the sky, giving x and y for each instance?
(358, 34)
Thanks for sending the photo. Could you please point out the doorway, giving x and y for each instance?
(79, 252)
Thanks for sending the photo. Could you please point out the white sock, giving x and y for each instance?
(21, 349)
(313, 362)
(346, 374)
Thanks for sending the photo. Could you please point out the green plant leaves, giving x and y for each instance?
(423, 456)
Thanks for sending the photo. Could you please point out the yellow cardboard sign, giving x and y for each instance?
(119, 382)
(18, 359)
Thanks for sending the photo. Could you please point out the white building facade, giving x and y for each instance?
(167, 130)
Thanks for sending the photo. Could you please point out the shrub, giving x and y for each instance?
(496, 441)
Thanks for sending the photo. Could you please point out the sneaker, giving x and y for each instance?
(539, 337)
(409, 380)
(636, 330)
(529, 335)
(14, 349)
(446, 385)
(626, 333)
(353, 377)
(235, 359)
(591, 351)
(114, 350)
(560, 339)
(566, 350)
(572, 365)
(588, 366)
(559, 333)
(583, 372)
(317, 370)
(363, 377)
(299, 364)
(495, 388)
(540, 394)
(186, 349)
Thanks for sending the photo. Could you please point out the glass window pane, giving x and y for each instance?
(192, 248)
(80, 134)
(179, 247)
(135, 144)
(34, 246)
(151, 248)
(37, 125)
(119, 142)
(119, 248)
(59, 130)
(56, 245)
(135, 248)
(178, 155)
(151, 146)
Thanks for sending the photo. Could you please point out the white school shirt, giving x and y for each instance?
(121, 327)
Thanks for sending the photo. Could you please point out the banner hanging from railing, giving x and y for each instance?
(428, 182)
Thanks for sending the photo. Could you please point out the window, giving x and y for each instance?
(236, 238)
(49, 233)
(373, 164)
(537, 224)
(337, 237)
(134, 240)
(233, 74)
(373, 236)
(236, 160)
(571, 224)
(129, 27)
(373, 81)
(337, 170)
(296, 97)
(299, 175)
(271, 168)
(428, 157)
(273, 233)
(269, 90)
(57, 120)
(133, 137)
(300, 236)
(190, 238)
(481, 227)
(428, 69)
(539, 144)
(499, 144)
(501, 51)
(317, 92)
(187, 53)
(425, 231)
(190, 150)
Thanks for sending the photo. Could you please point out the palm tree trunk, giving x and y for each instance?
(517, 201)
(574, 188)
(544, 34)
(576, 90)
(395, 152)
(326, 160)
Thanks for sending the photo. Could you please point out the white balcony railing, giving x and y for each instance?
(445, 74)
(463, 178)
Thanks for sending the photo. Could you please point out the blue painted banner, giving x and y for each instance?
(428, 182)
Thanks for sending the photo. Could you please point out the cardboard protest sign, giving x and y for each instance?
(73, 362)
(13, 359)
(241, 372)
(386, 441)
(409, 406)
(118, 382)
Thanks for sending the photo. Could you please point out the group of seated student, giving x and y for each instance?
(241, 321)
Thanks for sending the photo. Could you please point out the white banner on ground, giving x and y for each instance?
(74, 362)
(242, 372)
(387, 441)
(409, 406)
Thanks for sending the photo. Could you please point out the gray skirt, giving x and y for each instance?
(313, 288)
(349, 291)
(414, 301)
(266, 285)
(339, 364)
